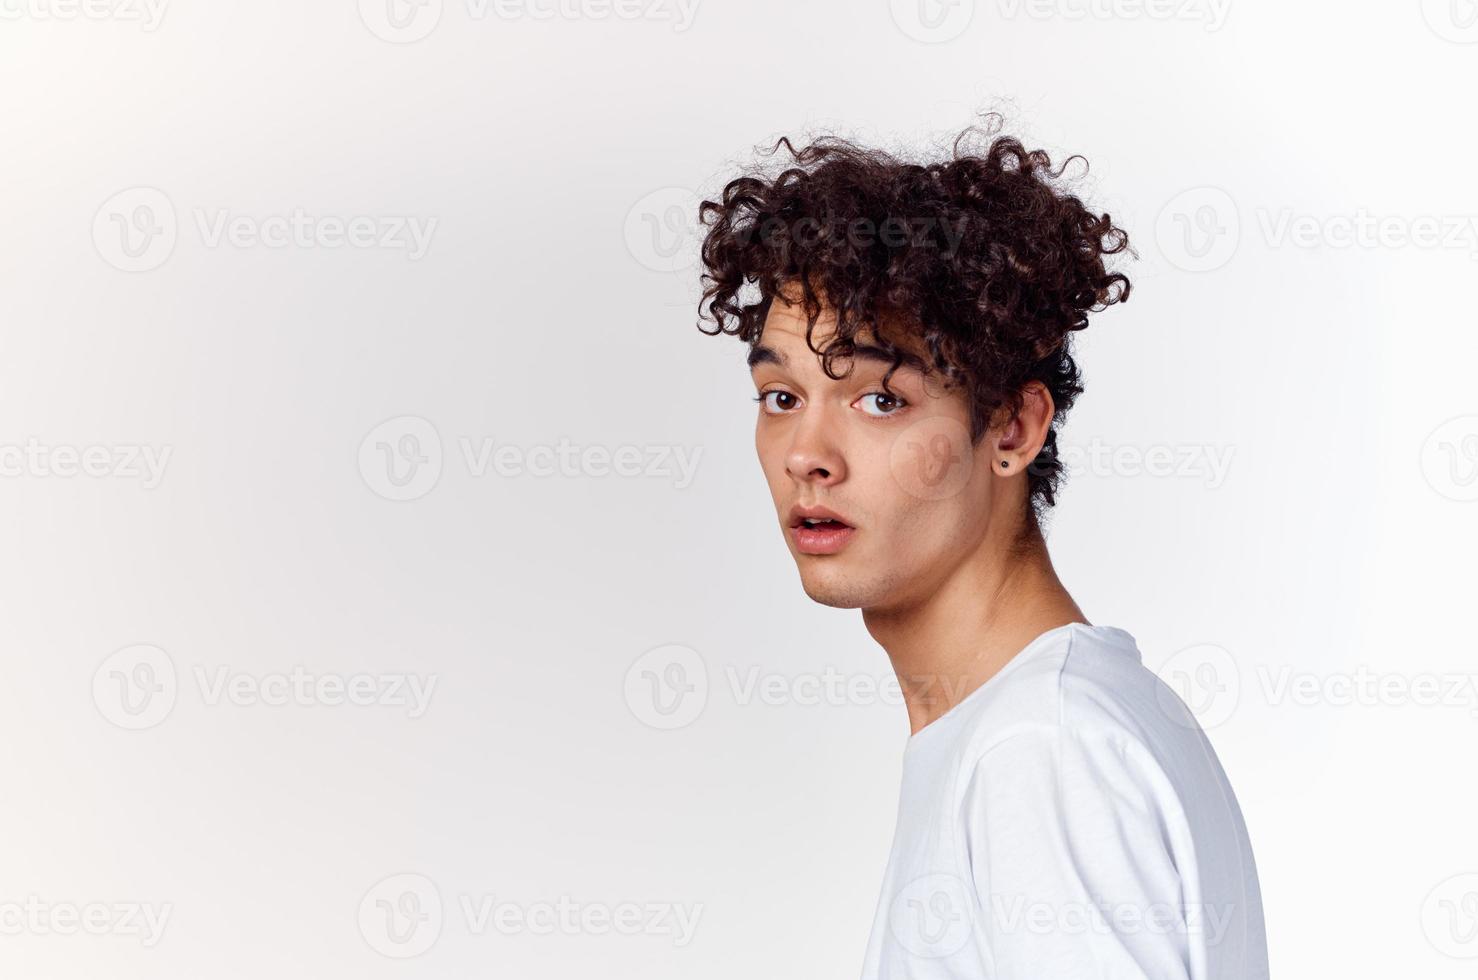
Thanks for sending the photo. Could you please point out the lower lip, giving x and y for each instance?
(821, 540)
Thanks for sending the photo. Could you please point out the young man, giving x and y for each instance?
(909, 326)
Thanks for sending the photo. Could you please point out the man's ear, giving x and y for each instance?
(1021, 437)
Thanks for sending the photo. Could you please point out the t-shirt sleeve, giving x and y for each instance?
(1069, 847)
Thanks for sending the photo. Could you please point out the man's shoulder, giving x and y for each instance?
(1087, 686)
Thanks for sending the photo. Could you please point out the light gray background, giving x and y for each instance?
(554, 302)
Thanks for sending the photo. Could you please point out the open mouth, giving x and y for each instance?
(820, 534)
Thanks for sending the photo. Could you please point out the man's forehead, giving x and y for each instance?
(783, 339)
(786, 325)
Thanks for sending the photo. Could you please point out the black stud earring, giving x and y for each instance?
(1004, 464)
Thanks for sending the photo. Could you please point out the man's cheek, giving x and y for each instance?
(932, 459)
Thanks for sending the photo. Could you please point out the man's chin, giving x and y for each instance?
(835, 599)
(840, 591)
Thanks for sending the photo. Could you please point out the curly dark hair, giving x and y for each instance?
(991, 262)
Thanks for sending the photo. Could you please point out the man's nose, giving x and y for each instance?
(815, 456)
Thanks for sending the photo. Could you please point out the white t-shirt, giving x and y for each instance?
(1068, 819)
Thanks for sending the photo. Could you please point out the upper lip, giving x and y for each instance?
(799, 515)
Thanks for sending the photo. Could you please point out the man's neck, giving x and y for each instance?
(952, 641)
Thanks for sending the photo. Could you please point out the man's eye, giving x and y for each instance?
(776, 402)
(879, 403)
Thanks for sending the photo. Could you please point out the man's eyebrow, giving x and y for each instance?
(760, 354)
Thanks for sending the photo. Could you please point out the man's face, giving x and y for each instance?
(908, 493)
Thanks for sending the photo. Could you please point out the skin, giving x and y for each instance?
(952, 585)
